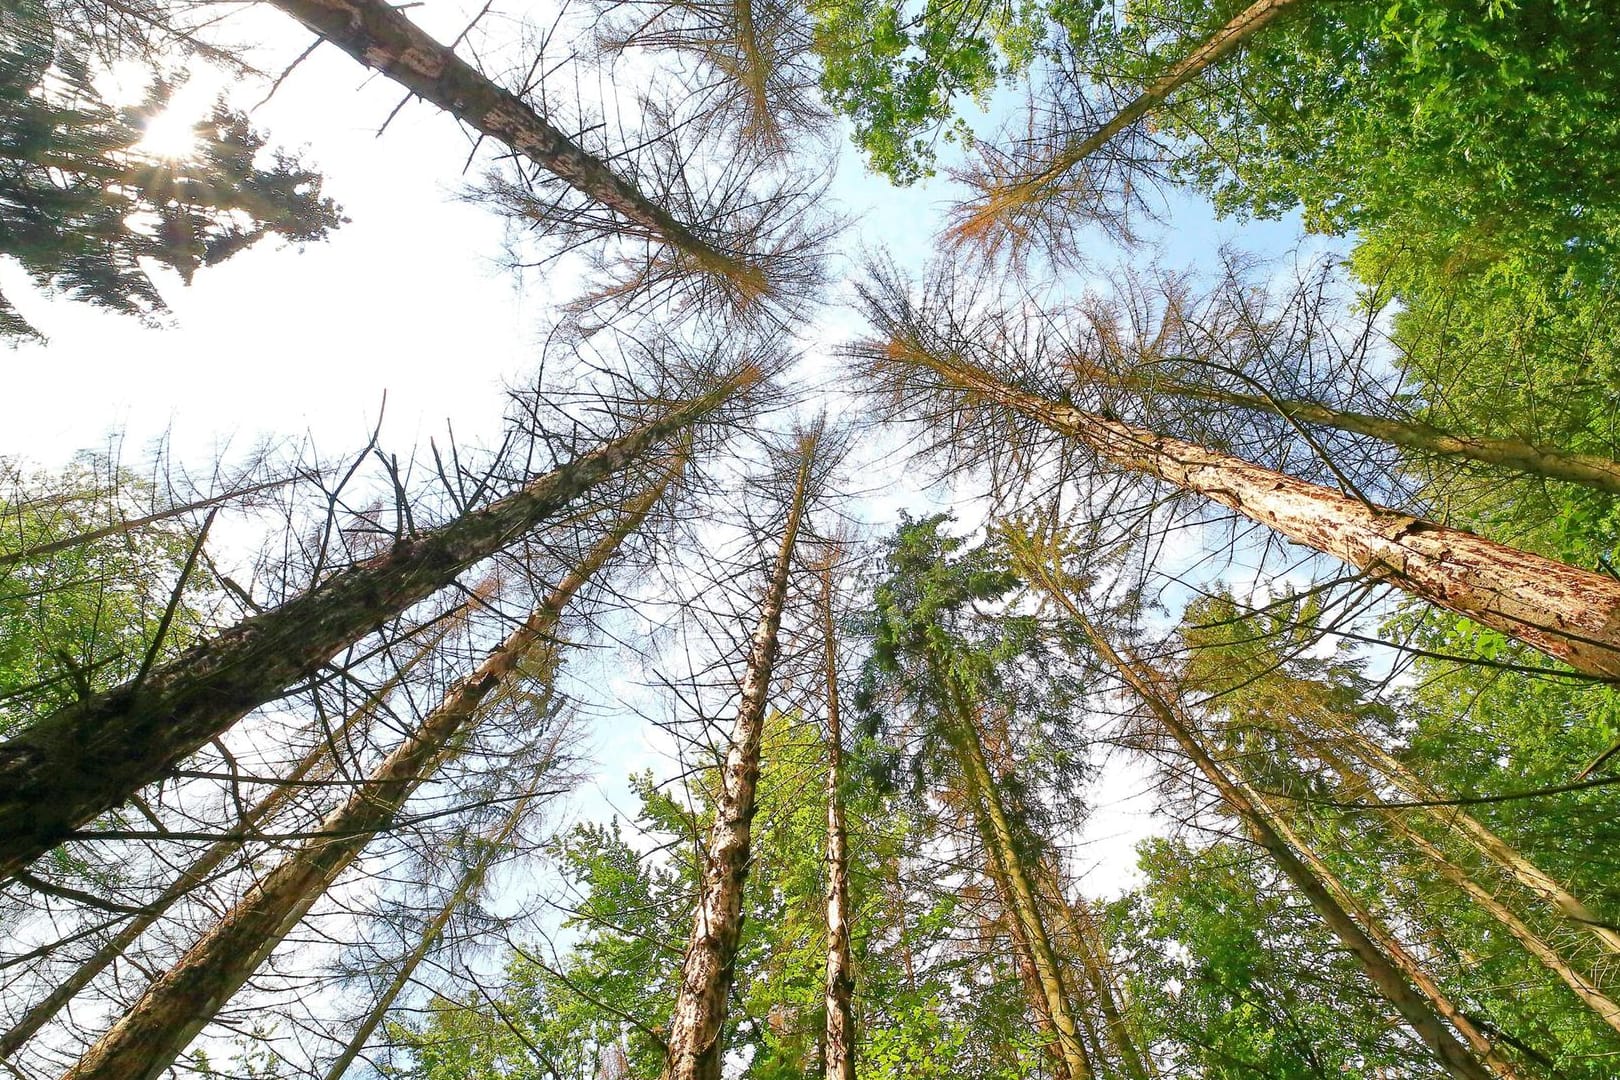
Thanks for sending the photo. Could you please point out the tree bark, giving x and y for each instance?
(695, 1050)
(153, 1033)
(1001, 841)
(838, 1057)
(1566, 612)
(1392, 946)
(380, 37)
(994, 207)
(1515, 455)
(1163, 702)
(85, 759)
(317, 764)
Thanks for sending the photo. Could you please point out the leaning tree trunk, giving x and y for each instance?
(1478, 835)
(1566, 612)
(1537, 946)
(999, 203)
(85, 759)
(152, 1034)
(1162, 701)
(694, 1048)
(1514, 455)
(1375, 928)
(1092, 952)
(838, 1057)
(1414, 1007)
(316, 765)
(471, 880)
(379, 36)
(1001, 841)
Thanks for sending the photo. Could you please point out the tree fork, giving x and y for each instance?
(695, 1051)
(1566, 612)
(379, 36)
(87, 758)
(153, 1033)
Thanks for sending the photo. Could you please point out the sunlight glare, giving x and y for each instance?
(172, 133)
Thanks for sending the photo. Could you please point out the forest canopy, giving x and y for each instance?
(905, 617)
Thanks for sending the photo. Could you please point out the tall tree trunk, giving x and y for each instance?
(472, 879)
(1001, 840)
(1375, 928)
(838, 1056)
(1585, 989)
(1478, 835)
(1566, 612)
(380, 37)
(318, 764)
(1092, 952)
(148, 1038)
(996, 206)
(1511, 454)
(87, 758)
(1164, 703)
(695, 1050)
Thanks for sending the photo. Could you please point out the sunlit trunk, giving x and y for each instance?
(1566, 612)
(838, 1053)
(695, 1049)
(379, 36)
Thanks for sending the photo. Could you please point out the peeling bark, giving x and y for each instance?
(695, 1051)
(1566, 612)
(153, 1033)
(87, 758)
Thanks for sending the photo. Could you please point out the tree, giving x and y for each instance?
(840, 1055)
(695, 1049)
(84, 203)
(148, 1038)
(1566, 612)
(921, 655)
(91, 755)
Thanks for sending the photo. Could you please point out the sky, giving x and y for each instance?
(410, 299)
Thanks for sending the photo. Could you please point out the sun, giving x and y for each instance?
(171, 134)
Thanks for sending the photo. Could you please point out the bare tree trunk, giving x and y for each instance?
(317, 764)
(838, 1057)
(1511, 454)
(1584, 988)
(1001, 840)
(87, 758)
(148, 1038)
(1408, 964)
(129, 525)
(472, 879)
(1566, 612)
(1092, 952)
(695, 1050)
(994, 207)
(1162, 700)
(379, 36)
(1458, 820)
